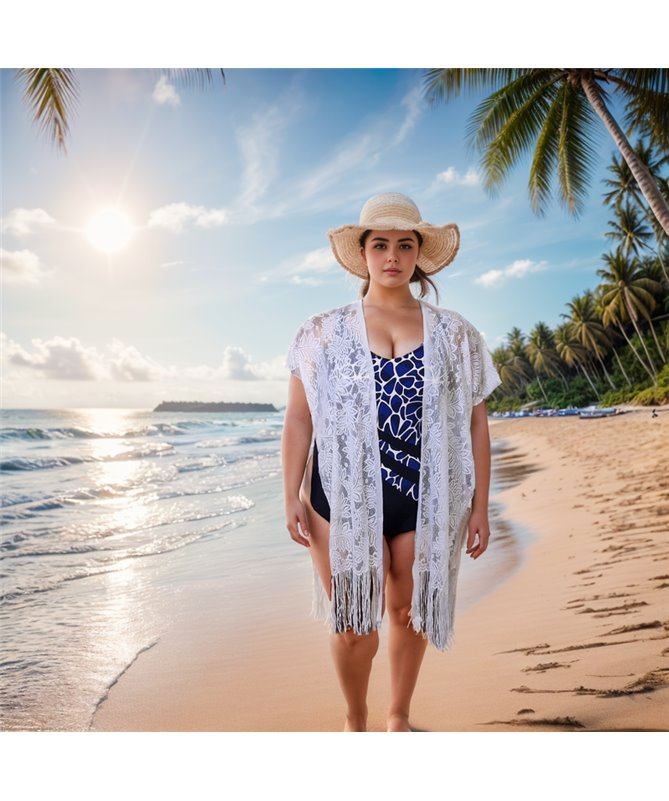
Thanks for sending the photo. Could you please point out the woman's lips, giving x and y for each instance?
(394, 272)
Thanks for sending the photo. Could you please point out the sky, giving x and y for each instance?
(227, 193)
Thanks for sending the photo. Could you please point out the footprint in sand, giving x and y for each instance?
(566, 722)
(542, 667)
(649, 682)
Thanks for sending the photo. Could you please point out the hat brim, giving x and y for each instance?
(440, 246)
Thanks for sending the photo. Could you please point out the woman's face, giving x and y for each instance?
(391, 256)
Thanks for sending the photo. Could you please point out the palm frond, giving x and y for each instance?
(197, 77)
(647, 95)
(577, 154)
(543, 162)
(440, 85)
(506, 124)
(52, 95)
(516, 98)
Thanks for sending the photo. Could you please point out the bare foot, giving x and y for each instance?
(398, 723)
(356, 723)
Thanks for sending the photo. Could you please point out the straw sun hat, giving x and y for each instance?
(394, 211)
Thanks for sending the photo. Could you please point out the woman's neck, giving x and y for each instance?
(400, 298)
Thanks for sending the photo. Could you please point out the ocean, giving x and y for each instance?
(95, 502)
(115, 521)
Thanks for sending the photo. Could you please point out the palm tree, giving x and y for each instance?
(622, 184)
(629, 230)
(587, 328)
(628, 293)
(625, 188)
(557, 109)
(517, 367)
(572, 352)
(542, 355)
(503, 361)
(611, 331)
(52, 94)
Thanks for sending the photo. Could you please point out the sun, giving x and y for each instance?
(109, 230)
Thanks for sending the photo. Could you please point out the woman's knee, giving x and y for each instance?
(399, 612)
(352, 640)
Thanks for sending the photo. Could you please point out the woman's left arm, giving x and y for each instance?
(478, 520)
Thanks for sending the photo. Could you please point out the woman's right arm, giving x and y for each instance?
(295, 444)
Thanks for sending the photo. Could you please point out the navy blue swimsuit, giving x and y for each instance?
(399, 400)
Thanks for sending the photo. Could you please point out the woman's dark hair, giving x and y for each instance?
(418, 275)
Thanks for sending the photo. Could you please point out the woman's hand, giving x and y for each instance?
(478, 522)
(295, 513)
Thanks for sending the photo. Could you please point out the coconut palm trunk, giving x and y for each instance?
(632, 314)
(622, 369)
(606, 372)
(589, 380)
(641, 174)
(657, 343)
(636, 352)
(541, 387)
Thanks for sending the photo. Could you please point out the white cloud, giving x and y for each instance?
(517, 269)
(237, 365)
(22, 222)
(258, 144)
(451, 177)
(164, 93)
(362, 150)
(128, 364)
(60, 358)
(304, 269)
(298, 279)
(66, 359)
(212, 218)
(415, 105)
(22, 267)
(175, 216)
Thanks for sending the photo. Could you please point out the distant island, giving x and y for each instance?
(215, 406)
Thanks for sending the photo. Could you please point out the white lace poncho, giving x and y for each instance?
(330, 354)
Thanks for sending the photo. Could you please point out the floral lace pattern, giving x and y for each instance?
(331, 355)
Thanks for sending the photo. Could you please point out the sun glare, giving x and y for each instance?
(109, 230)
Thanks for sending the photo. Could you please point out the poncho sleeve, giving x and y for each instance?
(292, 357)
(485, 377)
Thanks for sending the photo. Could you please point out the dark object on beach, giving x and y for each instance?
(588, 413)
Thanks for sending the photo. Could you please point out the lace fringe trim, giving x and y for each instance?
(434, 616)
(356, 602)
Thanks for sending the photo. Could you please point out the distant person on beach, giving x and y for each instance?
(390, 390)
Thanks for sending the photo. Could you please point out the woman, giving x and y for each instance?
(391, 389)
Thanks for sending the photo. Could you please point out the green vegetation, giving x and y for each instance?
(613, 346)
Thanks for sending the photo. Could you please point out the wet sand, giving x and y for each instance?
(562, 625)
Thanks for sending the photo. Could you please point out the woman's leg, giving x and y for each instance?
(406, 648)
(352, 653)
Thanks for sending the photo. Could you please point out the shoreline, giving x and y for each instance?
(532, 642)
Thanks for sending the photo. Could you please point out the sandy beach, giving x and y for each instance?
(574, 636)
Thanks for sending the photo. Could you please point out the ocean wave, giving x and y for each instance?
(110, 560)
(21, 463)
(82, 432)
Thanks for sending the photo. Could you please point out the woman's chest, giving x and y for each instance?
(392, 335)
